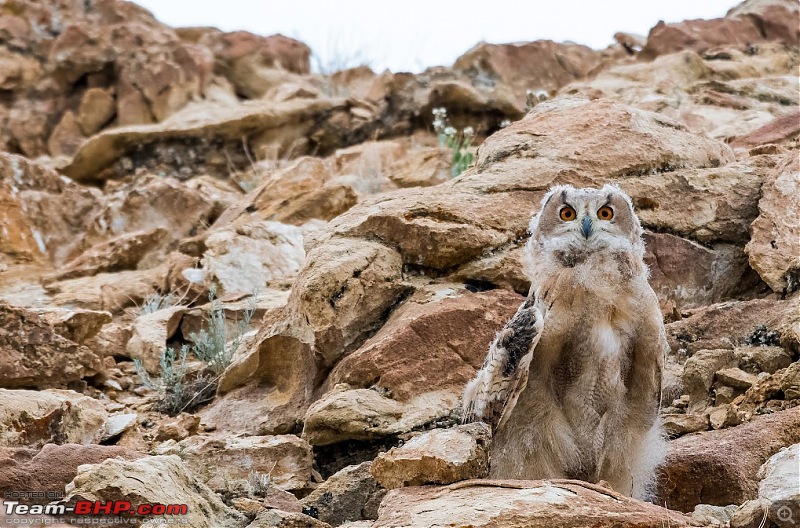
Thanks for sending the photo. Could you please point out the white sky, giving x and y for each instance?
(410, 35)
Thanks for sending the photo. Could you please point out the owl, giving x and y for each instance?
(571, 385)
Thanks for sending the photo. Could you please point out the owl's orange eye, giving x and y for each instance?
(567, 213)
(605, 213)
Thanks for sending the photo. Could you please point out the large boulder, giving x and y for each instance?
(730, 324)
(715, 275)
(218, 138)
(249, 61)
(521, 503)
(422, 346)
(774, 248)
(284, 459)
(34, 351)
(42, 215)
(720, 467)
(243, 258)
(351, 494)
(541, 65)
(440, 456)
(268, 386)
(149, 334)
(143, 481)
(779, 477)
(343, 292)
(35, 418)
(344, 414)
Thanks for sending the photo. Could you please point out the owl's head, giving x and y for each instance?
(574, 225)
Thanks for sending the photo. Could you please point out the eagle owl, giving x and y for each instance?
(572, 384)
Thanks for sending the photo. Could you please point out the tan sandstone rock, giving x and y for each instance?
(34, 351)
(518, 503)
(285, 459)
(350, 494)
(143, 480)
(282, 519)
(365, 414)
(149, 336)
(440, 456)
(539, 65)
(35, 418)
(774, 248)
(779, 477)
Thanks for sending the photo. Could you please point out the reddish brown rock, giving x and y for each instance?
(54, 466)
(243, 57)
(413, 369)
(720, 467)
(729, 324)
(112, 46)
(750, 23)
(783, 128)
(539, 65)
(42, 215)
(774, 18)
(714, 274)
(422, 346)
(699, 36)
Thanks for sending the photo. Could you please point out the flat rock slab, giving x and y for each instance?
(518, 503)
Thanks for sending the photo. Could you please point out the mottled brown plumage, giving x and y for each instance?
(571, 385)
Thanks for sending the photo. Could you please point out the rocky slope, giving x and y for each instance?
(301, 237)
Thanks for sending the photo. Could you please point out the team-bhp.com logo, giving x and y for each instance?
(118, 509)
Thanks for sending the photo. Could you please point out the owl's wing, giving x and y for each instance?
(494, 391)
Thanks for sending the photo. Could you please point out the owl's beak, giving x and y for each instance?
(586, 227)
